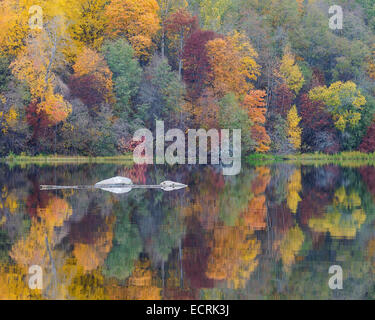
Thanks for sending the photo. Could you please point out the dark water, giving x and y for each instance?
(271, 232)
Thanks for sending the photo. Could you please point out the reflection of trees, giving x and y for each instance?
(92, 255)
(294, 188)
(233, 255)
(290, 246)
(127, 244)
(224, 237)
(343, 218)
(13, 285)
(32, 248)
(255, 214)
(139, 286)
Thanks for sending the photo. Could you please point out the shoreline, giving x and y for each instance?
(58, 159)
(253, 159)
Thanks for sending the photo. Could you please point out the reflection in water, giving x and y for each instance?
(270, 233)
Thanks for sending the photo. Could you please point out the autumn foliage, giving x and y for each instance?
(92, 79)
(233, 65)
(368, 142)
(196, 62)
(137, 20)
(254, 103)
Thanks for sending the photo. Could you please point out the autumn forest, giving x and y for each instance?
(79, 77)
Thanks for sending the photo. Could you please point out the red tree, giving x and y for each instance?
(283, 100)
(196, 64)
(368, 142)
(88, 89)
(37, 119)
(318, 128)
(181, 24)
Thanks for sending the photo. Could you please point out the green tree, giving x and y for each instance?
(126, 73)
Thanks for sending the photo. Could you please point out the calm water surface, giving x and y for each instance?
(271, 232)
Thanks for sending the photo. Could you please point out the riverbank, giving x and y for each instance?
(353, 158)
(126, 159)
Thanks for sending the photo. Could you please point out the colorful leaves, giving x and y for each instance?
(137, 20)
(294, 130)
(253, 102)
(291, 72)
(233, 65)
(344, 102)
(92, 79)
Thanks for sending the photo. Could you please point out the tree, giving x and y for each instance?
(254, 103)
(294, 131)
(291, 72)
(179, 26)
(35, 65)
(212, 13)
(282, 100)
(13, 27)
(319, 132)
(232, 115)
(137, 20)
(126, 73)
(166, 7)
(196, 62)
(89, 28)
(4, 72)
(368, 142)
(92, 79)
(161, 92)
(371, 64)
(233, 65)
(343, 100)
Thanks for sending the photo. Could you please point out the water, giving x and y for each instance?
(271, 232)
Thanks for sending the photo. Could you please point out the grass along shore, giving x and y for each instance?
(58, 159)
(353, 158)
(347, 158)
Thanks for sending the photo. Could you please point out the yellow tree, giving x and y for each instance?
(13, 28)
(371, 64)
(35, 65)
(343, 100)
(233, 65)
(8, 118)
(294, 130)
(18, 15)
(291, 73)
(137, 20)
(89, 28)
